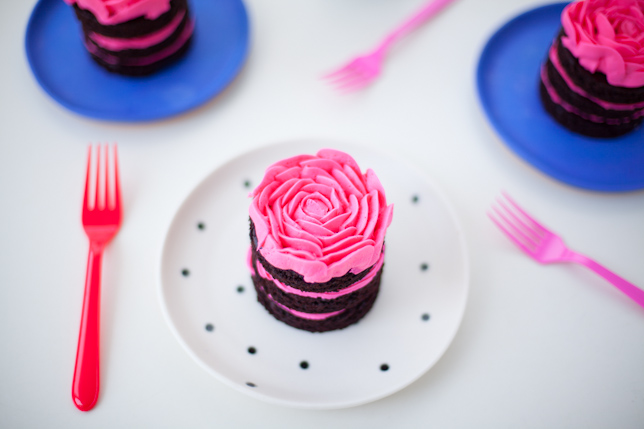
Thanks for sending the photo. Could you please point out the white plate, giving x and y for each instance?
(418, 311)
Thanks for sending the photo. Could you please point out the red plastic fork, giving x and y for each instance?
(546, 247)
(101, 221)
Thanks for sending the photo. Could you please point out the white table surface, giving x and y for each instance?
(539, 347)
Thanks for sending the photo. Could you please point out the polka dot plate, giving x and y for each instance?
(211, 306)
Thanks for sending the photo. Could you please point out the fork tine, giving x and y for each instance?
(512, 238)
(340, 71)
(117, 190)
(525, 228)
(511, 221)
(86, 195)
(98, 175)
(336, 73)
(352, 81)
(348, 74)
(542, 229)
(106, 177)
(349, 84)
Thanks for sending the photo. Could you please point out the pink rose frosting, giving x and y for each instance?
(607, 36)
(320, 216)
(112, 12)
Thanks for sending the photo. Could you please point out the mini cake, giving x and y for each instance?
(317, 230)
(134, 37)
(593, 79)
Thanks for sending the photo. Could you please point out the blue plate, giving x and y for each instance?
(64, 69)
(508, 86)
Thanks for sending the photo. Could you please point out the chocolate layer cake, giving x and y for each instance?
(317, 241)
(134, 37)
(593, 79)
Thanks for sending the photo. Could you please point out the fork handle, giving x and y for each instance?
(86, 371)
(428, 11)
(628, 288)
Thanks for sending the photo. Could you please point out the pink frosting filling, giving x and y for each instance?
(117, 44)
(324, 295)
(607, 36)
(554, 58)
(572, 109)
(150, 59)
(300, 314)
(320, 216)
(112, 12)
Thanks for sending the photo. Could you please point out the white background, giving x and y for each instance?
(539, 347)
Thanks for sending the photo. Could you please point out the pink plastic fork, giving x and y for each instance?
(364, 69)
(547, 247)
(101, 221)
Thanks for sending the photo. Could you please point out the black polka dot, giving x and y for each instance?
(304, 364)
(249, 384)
(185, 272)
(210, 327)
(240, 289)
(424, 266)
(247, 183)
(201, 226)
(415, 199)
(252, 350)
(384, 367)
(425, 317)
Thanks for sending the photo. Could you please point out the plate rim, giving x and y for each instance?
(438, 192)
(519, 148)
(139, 116)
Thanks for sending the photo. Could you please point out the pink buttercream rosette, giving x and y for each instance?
(320, 216)
(112, 12)
(607, 36)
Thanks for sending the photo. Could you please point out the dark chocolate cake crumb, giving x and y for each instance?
(595, 83)
(576, 100)
(144, 70)
(579, 125)
(340, 321)
(583, 111)
(317, 305)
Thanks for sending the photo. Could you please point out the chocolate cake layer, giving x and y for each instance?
(138, 53)
(296, 280)
(134, 28)
(340, 321)
(596, 84)
(143, 70)
(581, 102)
(580, 125)
(316, 305)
